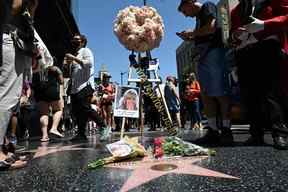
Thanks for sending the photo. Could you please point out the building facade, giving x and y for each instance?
(187, 59)
(75, 9)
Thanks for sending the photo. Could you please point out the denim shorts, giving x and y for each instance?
(211, 70)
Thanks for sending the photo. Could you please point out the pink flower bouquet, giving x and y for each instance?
(139, 29)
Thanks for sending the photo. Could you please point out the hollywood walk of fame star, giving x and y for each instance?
(45, 150)
(143, 173)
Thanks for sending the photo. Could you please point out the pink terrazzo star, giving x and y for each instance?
(143, 173)
(44, 150)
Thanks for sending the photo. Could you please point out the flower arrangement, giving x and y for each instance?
(174, 146)
(125, 149)
(139, 28)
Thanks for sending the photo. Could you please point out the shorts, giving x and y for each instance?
(16, 109)
(55, 105)
(211, 72)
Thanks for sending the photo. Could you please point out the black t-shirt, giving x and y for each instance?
(207, 11)
(46, 84)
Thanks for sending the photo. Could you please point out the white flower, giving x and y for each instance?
(139, 29)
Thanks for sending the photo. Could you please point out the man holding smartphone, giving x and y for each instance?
(211, 69)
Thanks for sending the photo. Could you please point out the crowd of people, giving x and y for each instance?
(258, 41)
(24, 54)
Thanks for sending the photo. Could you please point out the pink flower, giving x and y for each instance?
(158, 141)
(158, 152)
(139, 29)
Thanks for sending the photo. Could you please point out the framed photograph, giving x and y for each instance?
(119, 148)
(126, 102)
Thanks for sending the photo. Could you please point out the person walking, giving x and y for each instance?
(46, 86)
(82, 87)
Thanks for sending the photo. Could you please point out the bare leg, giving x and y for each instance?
(178, 119)
(56, 120)
(44, 110)
(108, 117)
(44, 127)
(58, 107)
(104, 114)
(13, 126)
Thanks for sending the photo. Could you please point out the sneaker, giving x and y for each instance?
(105, 133)
(211, 137)
(280, 143)
(280, 127)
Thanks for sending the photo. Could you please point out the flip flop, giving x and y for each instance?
(44, 139)
(57, 133)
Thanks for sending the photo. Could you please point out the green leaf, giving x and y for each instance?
(96, 164)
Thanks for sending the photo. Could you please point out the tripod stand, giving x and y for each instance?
(144, 67)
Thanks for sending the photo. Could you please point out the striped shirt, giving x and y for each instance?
(82, 75)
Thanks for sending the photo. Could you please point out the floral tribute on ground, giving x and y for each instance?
(129, 149)
(139, 29)
(125, 149)
(173, 146)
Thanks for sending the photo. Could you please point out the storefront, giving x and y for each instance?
(55, 23)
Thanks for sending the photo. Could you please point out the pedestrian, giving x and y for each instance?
(259, 34)
(46, 86)
(107, 92)
(172, 99)
(211, 68)
(82, 87)
(192, 97)
(13, 65)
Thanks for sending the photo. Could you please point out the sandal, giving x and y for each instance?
(56, 132)
(46, 139)
(20, 156)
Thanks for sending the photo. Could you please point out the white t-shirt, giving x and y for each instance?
(83, 74)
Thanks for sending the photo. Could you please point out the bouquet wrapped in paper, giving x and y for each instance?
(174, 146)
(127, 148)
(139, 28)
